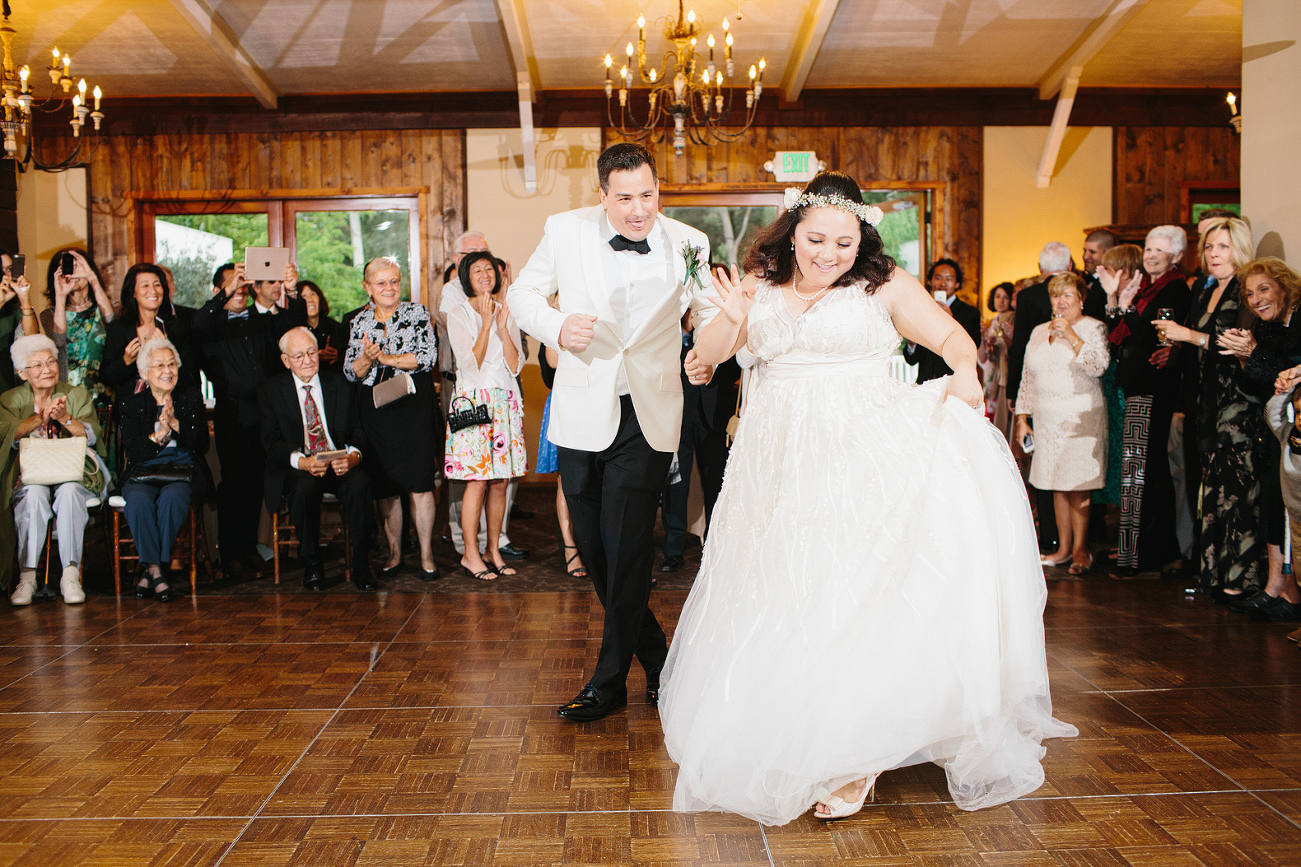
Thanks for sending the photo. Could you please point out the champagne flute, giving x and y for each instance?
(1165, 314)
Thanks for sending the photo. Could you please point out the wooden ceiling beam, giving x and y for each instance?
(214, 31)
(1094, 39)
(817, 21)
(515, 26)
(1057, 132)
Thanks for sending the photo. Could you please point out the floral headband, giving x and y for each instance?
(797, 198)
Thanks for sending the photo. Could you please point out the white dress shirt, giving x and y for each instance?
(636, 281)
(463, 326)
(315, 385)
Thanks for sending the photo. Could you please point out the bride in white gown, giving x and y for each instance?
(870, 596)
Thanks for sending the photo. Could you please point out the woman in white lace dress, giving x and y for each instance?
(870, 596)
(1061, 389)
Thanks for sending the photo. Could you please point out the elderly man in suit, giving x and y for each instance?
(625, 275)
(313, 439)
(945, 276)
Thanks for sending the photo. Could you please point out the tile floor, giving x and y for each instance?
(420, 729)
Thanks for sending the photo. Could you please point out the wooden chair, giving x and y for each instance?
(191, 544)
(283, 535)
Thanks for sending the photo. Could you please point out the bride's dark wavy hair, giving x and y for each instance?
(773, 258)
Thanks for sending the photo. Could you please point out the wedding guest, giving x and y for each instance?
(994, 341)
(1228, 423)
(16, 316)
(329, 334)
(1289, 436)
(1135, 300)
(241, 349)
(1060, 391)
(147, 312)
(165, 438)
(46, 407)
(944, 279)
(394, 339)
(307, 414)
(76, 317)
(547, 462)
(486, 343)
(1272, 290)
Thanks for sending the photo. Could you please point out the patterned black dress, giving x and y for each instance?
(1232, 439)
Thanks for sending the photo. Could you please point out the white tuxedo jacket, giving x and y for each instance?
(585, 397)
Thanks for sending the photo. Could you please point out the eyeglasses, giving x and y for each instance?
(43, 365)
(300, 357)
(164, 365)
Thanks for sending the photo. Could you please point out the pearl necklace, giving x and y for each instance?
(796, 292)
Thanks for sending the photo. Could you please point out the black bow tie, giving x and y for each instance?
(619, 242)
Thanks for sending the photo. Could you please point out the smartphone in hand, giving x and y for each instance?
(18, 266)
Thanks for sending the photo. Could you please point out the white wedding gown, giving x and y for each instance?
(870, 596)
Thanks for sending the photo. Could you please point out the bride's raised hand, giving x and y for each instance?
(731, 296)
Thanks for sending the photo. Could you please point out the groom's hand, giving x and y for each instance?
(697, 372)
(577, 332)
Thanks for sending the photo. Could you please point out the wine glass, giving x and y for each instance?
(1164, 313)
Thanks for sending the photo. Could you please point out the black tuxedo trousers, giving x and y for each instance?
(613, 495)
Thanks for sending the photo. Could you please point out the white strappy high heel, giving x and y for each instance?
(838, 807)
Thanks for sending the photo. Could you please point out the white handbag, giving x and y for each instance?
(51, 461)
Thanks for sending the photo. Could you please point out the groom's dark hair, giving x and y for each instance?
(623, 157)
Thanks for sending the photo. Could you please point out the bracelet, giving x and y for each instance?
(26, 309)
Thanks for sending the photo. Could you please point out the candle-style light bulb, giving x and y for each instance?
(1233, 103)
(753, 72)
(641, 21)
(628, 50)
(67, 63)
(720, 79)
(81, 89)
(76, 100)
(22, 76)
(98, 94)
(652, 76)
(710, 43)
(691, 17)
(762, 64)
(55, 52)
(725, 25)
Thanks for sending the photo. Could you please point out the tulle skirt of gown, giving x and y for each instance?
(870, 598)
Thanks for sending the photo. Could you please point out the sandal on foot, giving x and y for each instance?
(839, 808)
(503, 570)
(579, 571)
(1080, 568)
(486, 575)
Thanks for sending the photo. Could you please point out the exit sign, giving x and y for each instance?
(794, 165)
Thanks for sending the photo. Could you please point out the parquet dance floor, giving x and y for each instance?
(420, 729)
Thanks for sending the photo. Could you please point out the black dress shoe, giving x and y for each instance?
(362, 581)
(1277, 610)
(1246, 604)
(510, 552)
(592, 704)
(672, 563)
(653, 688)
(313, 576)
(429, 575)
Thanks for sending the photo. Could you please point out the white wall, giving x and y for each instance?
(53, 212)
(1019, 218)
(1271, 125)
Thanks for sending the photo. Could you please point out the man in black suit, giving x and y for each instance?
(239, 352)
(944, 276)
(706, 410)
(305, 413)
(1096, 243)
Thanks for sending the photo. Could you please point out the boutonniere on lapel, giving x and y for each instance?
(691, 256)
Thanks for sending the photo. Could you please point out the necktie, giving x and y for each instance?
(316, 441)
(619, 242)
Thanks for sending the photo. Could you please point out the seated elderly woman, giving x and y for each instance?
(44, 408)
(164, 438)
(1060, 389)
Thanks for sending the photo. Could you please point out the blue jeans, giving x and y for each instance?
(155, 514)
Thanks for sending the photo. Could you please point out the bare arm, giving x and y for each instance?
(919, 319)
(723, 335)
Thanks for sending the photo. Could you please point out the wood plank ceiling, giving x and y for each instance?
(268, 48)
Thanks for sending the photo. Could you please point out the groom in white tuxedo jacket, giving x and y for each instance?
(625, 275)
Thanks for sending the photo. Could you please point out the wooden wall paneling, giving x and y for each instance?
(291, 160)
(331, 159)
(409, 152)
(372, 157)
(309, 156)
(351, 172)
(452, 186)
(1151, 163)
